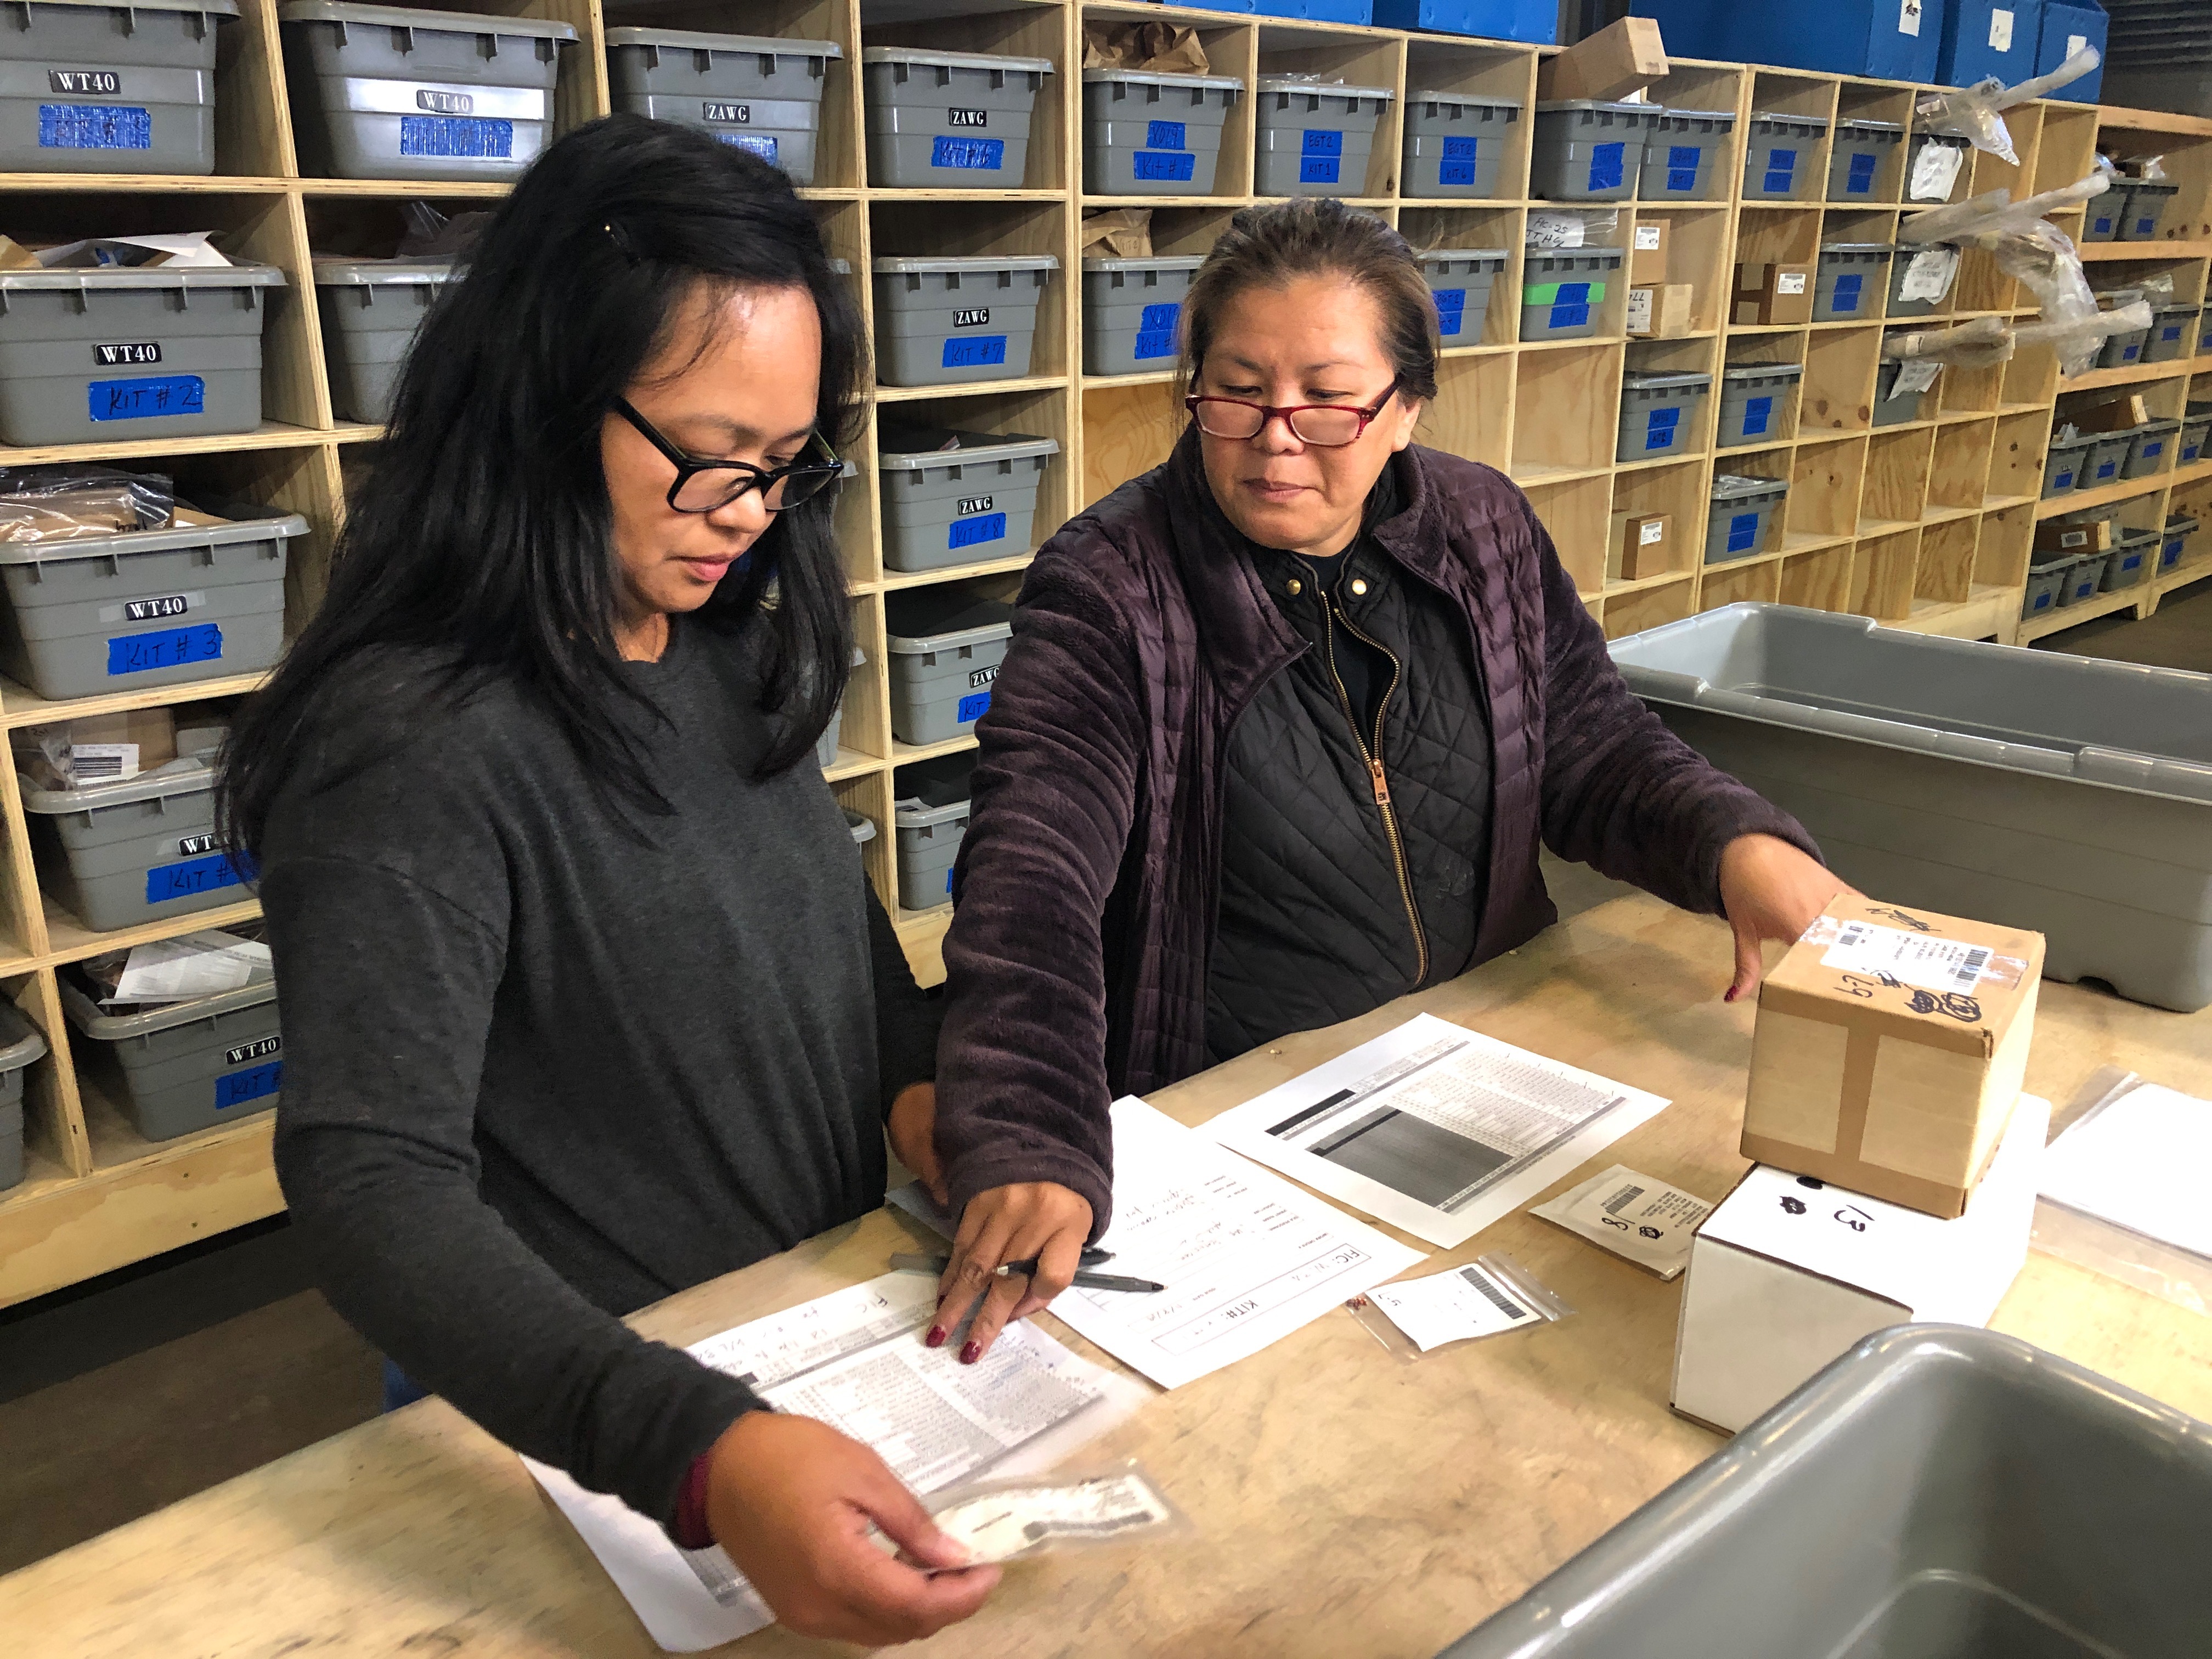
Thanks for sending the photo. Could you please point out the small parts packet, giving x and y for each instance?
(1012, 1520)
(1637, 1217)
(1415, 1317)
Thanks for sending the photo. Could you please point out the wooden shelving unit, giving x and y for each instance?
(1926, 526)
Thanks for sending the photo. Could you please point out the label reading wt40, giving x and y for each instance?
(104, 82)
(135, 351)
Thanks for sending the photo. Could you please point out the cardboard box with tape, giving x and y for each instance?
(1769, 294)
(1660, 312)
(1641, 545)
(1889, 1049)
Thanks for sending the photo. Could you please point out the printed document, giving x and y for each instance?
(854, 1359)
(1435, 1128)
(1247, 1259)
(2140, 1162)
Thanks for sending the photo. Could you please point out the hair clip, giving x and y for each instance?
(620, 238)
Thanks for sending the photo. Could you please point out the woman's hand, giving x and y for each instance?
(1769, 890)
(1035, 1220)
(791, 1500)
(912, 1127)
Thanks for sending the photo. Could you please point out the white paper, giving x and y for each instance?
(1435, 1128)
(2142, 1163)
(202, 964)
(1920, 960)
(189, 248)
(1635, 1216)
(1927, 275)
(855, 1359)
(2000, 30)
(1639, 310)
(1653, 532)
(2074, 43)
(1647, 238)
(91, 763)
(1935, 170)
(1553, 230)
(1908, 17)
(1915, 377)
(1788, 282)
(1247, 1259)
(1452, 1307)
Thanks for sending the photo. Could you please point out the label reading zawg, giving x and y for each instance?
(98, 81)
(982, 677)
(435, 102)
(973, 504)
(973, 317)
(135, 351)
(967, 118)
(238, 1056)
(731, 115)
(188, 845)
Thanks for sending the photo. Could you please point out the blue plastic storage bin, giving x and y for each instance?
(1983, 39)
(2065, 23)
(1310, 12)
(1536, 21)
(1880, 38)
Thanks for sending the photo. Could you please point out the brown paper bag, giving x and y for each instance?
(1170, 48)
(1118, 233)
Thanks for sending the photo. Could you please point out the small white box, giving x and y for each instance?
(1790, 1272)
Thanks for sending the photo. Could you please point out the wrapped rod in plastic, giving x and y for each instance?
(1996, 213)
(1982, 344)
(1976, 113)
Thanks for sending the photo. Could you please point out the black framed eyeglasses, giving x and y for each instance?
(702, 486)
(1326, 426)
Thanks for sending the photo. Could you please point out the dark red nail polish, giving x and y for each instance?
(936, 1337)
(971, 1354)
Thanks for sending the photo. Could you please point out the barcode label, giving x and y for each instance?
(1621, 1200)
(1498, 1298)
(1906, 958)
(1969, 971)
(87, 768)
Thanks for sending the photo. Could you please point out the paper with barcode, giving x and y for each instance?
(1935, 170)
(1452, 1307)
(1637, 1217)
(1920, 960)
(1915, 376)
(1928, 274)
(202, 964)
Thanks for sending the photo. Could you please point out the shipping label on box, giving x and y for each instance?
(1889, 1047)
(2095, 536)
(1643, 310)
(1645, 544)
(1648, 252)
(1773, 294)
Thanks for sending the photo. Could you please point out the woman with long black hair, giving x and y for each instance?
(585, 997)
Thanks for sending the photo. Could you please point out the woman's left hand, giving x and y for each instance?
(912, 1127)
(1769, 890)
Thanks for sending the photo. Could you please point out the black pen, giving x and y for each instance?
(1082, 1281)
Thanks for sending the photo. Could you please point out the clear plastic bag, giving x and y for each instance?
(431, 235)
(1415, 1318)
(1976, 113)
(71, 503)
(1982, 344)
(1012, 1520)
(1555, 227)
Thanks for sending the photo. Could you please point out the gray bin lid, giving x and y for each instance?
(1163, 78)
(225, 9)
(939, 791)
(920, 449)
(1754, 372)
(1437, 256)
(1563, 259)
(757, 45)
(1547, 105)
(967, 265)
(1734, 487)
(1480, 99)
(179, 777)
(123, 544)
(1867, 124)
(382, 273)
(1818, 123)
(1883, 248)
(2179, 524)
(1727, 115)
(21, 1043)
(1321, 89)
(89, 279)
(862, 830)
(2086, 440)
(406, 17)
(2155, 186)
(1673, 382)
(928, 59)
(84, 1013)
(1951, 141)
(1163, 262)
(2177, 311)
(2152, 429)
(942, 619)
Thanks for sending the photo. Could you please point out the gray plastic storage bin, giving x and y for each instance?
(1682, 152)
(946, 648)
(1563, 291)
(1939, 1493)
(942, 321)
(1856, 159)
(20, 1044)
(107, 354)
(2121, 349)
(2064, 464)
(2147, 447)
(929, 817)
(1921, 143)
(2101, 215)
(91, 87)
(179, 1067)
(1743, 511)
(2044, 582)
(1462, 280)
(1455, 143)
(2196, 430)
(1588, 150)
(1133, 313)
(138, 849)
(1891, 407)
(1935, 265)
(2173, 334)
(1780, 156)
(2134, 555)
(2174, 544)
(1658, 415)
(1755, 403)
(949, 120)
(2086, 579)
(2147, 202)
(959, 506)
(759, 92)
(825, 746)
(150, 607)
(1149, 133)
(389, 92)
(1851, 282)
(371, 309)
(2108, 454)
(2032, 789)
(1314, 137)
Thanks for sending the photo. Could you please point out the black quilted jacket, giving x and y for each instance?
(1077, 960)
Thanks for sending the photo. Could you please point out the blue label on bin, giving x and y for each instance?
(1846, 293)
(2063, 481)
(2131, 561)
(2191, 452)
(1164, 135)
(973, 351)
(2145, 229)
(948, 882)
(146, 398)
(759, 143)
(2169, 332)
(1317, 169)
(1757, 412)
(2101, 225)
(1460, 149)
(2085, 587)
(2169, 554)
(1572, 293)
(986, 155)
(1781, 170)
(2130, 351)
(1743, 533)
(1569, 316)
(95, 126)
(1164, 166)
(1860, 181)
(165, 882)
(1316, 142)
(973, 705)
(1154, 344)
(1606, 162)
(1455, 172)
(164, 647)
(2107, 469)
(2041, 601)
(1661, 429)
(983, 527)
(2150, 450)
(476, 137)
(254, 1083)
(1451, 309)
(1161, 316)
(1682, 165)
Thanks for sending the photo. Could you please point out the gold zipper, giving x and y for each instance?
(1373, 757)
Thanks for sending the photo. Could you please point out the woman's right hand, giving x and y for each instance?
(1037, 1221)
(791, 1500)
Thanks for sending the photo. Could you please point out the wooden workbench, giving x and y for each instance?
(1345, 1504)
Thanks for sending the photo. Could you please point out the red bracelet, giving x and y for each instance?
(691, 1531)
